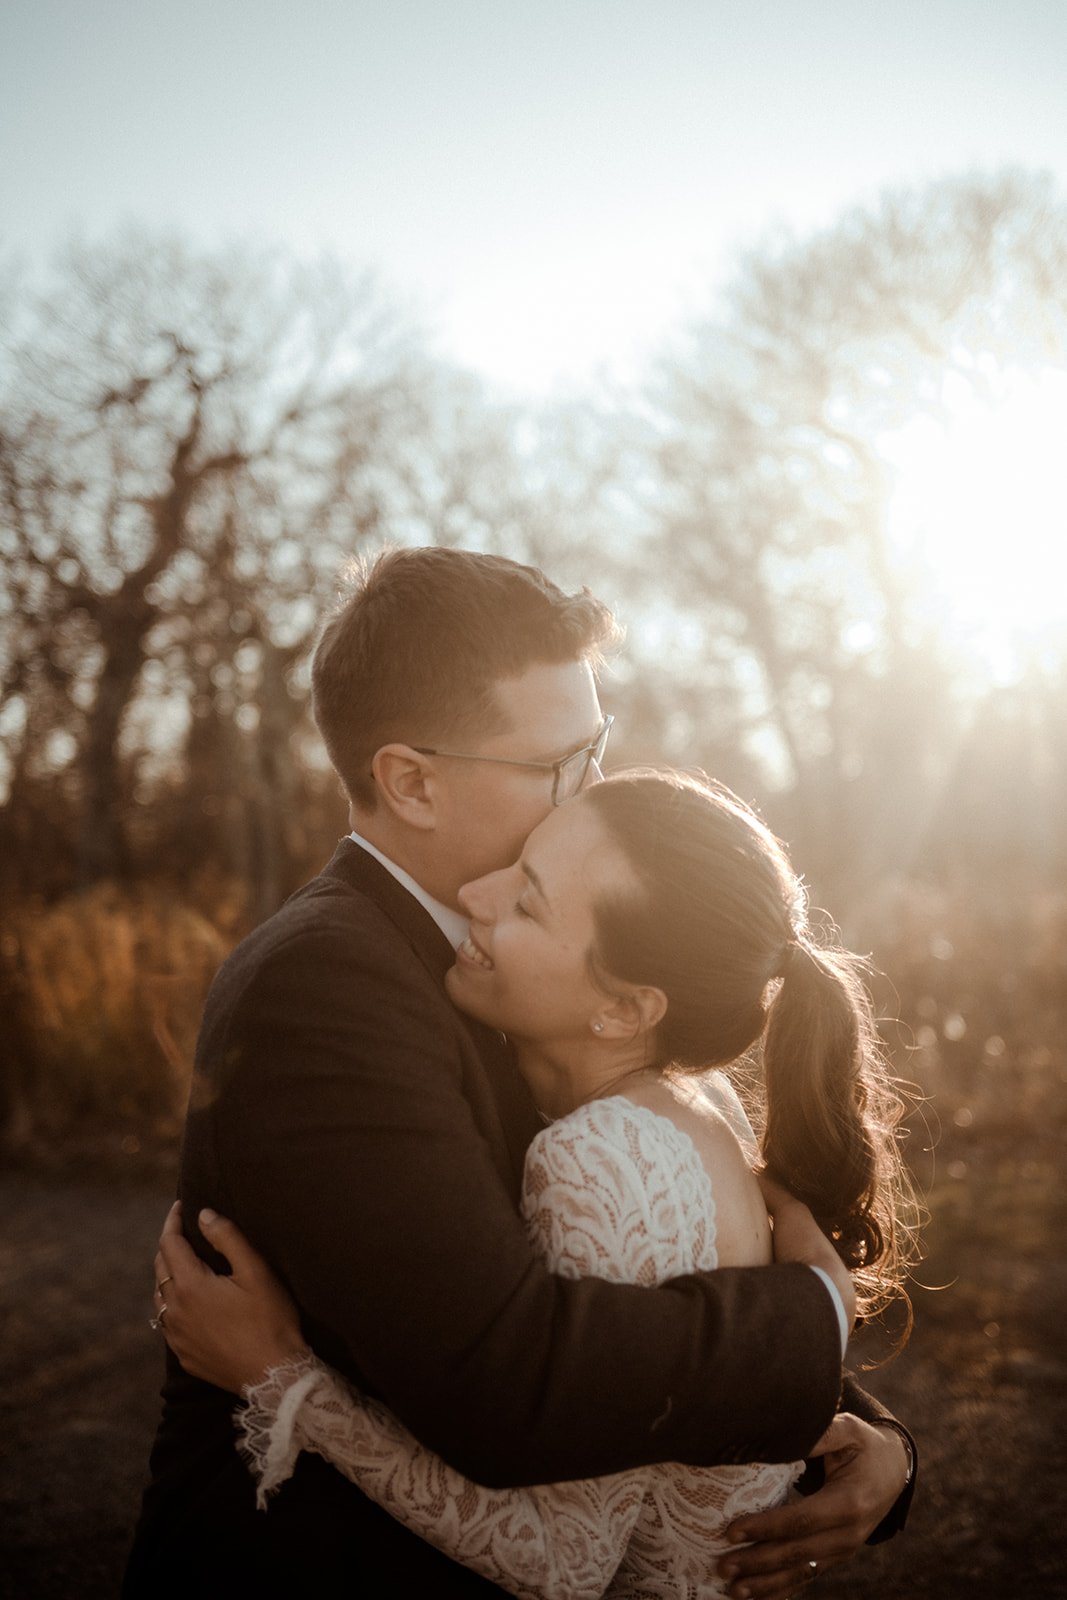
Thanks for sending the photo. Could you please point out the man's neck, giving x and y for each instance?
(452, 923)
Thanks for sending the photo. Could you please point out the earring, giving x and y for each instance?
(598, 1027)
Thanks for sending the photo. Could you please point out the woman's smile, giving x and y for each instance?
(471, 952)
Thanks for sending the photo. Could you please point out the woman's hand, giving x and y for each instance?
(229, 1331)
(798, 1237)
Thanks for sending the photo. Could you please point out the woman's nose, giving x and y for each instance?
(476, 898)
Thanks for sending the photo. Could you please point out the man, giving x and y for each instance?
(370, 1142)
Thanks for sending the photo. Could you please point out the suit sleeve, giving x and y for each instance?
(355, 1164)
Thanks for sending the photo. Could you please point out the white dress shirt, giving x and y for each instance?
(453, 924)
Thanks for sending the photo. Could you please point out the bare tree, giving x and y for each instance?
(190, 447)
(774, 495)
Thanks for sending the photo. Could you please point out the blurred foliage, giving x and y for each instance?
(194, 444)
(105, 989)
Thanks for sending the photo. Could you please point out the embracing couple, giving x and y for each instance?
(505, 1312)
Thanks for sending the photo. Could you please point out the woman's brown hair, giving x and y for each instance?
(722, 929)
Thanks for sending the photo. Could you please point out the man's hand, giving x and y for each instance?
(866, 1471)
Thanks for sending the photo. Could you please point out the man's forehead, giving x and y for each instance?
(555, 709)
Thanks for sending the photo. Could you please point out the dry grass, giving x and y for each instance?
(110, 985)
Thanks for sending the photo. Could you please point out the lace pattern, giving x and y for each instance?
(615, 1191)
(269, 1434)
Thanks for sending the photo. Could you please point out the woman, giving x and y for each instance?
(652, 930)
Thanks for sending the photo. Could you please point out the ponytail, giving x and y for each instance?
(714, 925)
(830, 1115)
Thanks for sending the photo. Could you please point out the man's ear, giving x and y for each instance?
(633, 1013)
(404, 780)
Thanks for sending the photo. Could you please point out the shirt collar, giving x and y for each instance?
(453, 924)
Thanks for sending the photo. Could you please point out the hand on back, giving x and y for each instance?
(227, 1330)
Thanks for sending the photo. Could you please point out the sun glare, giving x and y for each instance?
(979, 510)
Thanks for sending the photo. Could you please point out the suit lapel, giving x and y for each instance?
(518, 1115)
(518, 1119)
(361, 872)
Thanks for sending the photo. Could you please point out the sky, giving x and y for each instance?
(554, 186)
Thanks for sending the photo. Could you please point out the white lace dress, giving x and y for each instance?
(613, 1191)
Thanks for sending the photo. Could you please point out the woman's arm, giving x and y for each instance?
(563, 1540)
(556, 1542)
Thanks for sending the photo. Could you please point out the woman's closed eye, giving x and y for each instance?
(523, 910)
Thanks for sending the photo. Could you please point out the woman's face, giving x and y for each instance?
(525, 966)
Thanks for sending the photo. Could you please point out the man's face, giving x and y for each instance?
(485, 811)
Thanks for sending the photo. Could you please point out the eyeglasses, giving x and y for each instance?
(568, 775)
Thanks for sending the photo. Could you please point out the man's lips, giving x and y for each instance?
(472, 953)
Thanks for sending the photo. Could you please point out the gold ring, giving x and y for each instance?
(168, 1279)
(156, 1323)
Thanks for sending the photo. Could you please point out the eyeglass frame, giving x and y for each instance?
(592, 752)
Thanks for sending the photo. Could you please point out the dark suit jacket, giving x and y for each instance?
(370, 1143)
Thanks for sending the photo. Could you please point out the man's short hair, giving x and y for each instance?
(416, 647)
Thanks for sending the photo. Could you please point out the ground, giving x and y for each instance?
(983, 1385)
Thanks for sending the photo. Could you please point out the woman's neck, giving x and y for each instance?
(561, 1079)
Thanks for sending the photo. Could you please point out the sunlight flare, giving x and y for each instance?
(979, 511)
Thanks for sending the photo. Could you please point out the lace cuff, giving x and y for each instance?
(268, 1437)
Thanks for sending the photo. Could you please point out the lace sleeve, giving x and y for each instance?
(608, 1192)
(559, 1542)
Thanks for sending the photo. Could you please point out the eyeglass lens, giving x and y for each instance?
(571, 773)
